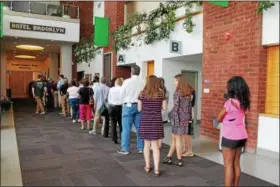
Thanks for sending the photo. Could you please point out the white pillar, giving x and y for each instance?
(53, 65)
(66, 60)
(3, 72)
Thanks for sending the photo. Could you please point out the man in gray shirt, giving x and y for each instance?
(100, 94)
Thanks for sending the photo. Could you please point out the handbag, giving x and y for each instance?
(91, 101)
(102, 109)
(5, 104)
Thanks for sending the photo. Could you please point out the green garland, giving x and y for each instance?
(264, 5)
(85, 51)
(165, 15)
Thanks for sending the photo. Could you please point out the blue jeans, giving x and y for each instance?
(130, 115)
(74, 104)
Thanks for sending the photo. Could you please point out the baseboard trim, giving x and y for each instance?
(268, 153)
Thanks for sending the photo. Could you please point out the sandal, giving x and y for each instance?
(180, 163)
(147, 169)
(157, 173)
(167, 160)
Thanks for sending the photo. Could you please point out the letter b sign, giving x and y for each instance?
(175, 47)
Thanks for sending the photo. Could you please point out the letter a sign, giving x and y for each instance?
(121, 59)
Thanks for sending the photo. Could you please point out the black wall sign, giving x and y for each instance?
(121, 59)
(37, 28)
(175, 47)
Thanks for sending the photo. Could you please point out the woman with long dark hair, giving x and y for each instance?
(234, 134)
(187, 139)
(151, 101)
(180, 117)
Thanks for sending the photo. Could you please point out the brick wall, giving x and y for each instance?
(243, 55)
(115, 11)
(86, 23)
(86, 17)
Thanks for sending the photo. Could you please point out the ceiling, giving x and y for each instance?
(9, 45)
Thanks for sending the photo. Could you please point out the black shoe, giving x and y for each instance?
(167, 160)
(180, 163)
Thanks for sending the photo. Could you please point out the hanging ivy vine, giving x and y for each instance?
(264, 5)
(159, 24)
(85, 51)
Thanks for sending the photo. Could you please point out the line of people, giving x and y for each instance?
(144, 104)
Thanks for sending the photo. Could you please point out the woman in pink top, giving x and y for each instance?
(234, 134)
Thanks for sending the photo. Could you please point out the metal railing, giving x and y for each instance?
(41, 8)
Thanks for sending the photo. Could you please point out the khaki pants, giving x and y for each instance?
(39, 106)
(96, 122)
(65, 106)
(59, 99)
(55, 99)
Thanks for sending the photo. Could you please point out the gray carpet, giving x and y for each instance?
(55, 152)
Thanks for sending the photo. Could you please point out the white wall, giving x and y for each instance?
(72, 30)
(96, 65)
(171, 68)
(268, 133)
(191, 44)
(98, 12)
(270, 27)
(66, 60)
(143, 6)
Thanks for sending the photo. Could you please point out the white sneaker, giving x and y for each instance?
(79, 120)
(42, 113)
(37, 113)
(74, 121)
(92, 132)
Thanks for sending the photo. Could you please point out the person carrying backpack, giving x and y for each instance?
(38, 90)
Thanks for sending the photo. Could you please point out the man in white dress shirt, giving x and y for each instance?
(129, 95)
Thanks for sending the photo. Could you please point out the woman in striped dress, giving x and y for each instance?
(151, 101)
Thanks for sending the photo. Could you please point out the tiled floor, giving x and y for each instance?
(53, 151)
(251, 164)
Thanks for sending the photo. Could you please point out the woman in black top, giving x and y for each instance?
(86, 94)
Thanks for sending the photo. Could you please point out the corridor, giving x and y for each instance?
(53, 151)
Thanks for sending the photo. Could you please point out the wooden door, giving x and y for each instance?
(19, 81)
(28, 79)
(17, 84)
(107, 66)
(150, 68)
(272, 81)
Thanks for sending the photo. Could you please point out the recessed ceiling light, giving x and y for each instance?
(25, 56)
(30, 47)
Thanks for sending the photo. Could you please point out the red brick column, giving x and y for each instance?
(242, 55)
(115, 12)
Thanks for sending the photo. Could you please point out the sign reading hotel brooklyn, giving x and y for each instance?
(37, 28)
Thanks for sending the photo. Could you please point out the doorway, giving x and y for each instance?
(19, 82)
(150, 68)
(107, 66)
(192, 79)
